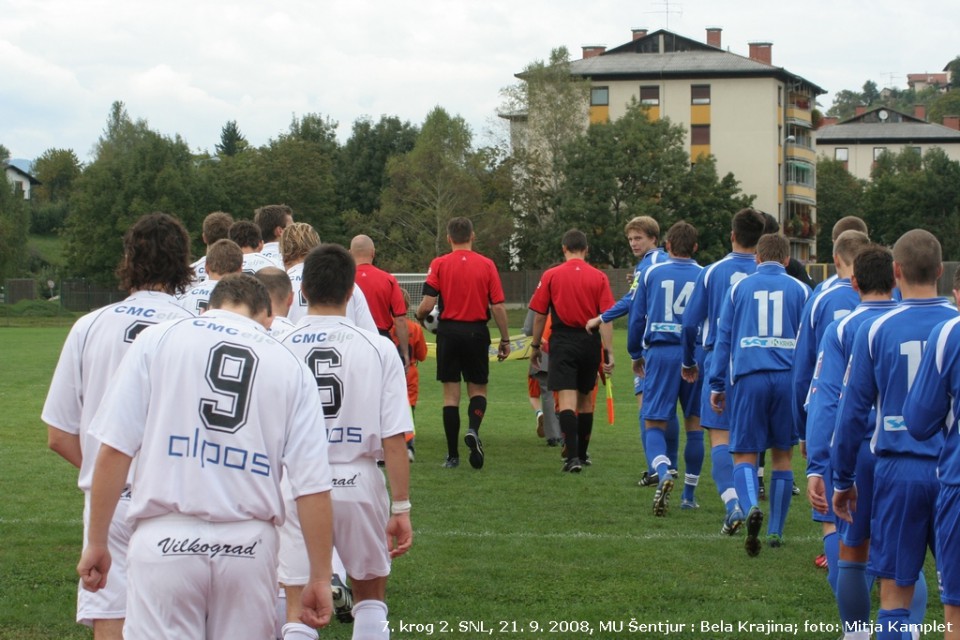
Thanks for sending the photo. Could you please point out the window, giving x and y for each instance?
(841, 154)
(700, 94)
(877, 152)
(600, 97)
(650, 96)
(700, 134)
(917, 150)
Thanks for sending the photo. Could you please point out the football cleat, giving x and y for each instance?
(540, 431)
(774, 540)
(662, 497)
(686, 505)
(761, 490)
(572, 465)
(754, 522)
(451, 463)
(476, 448)
(342, 601)
(733, 521)
(796, 489)
(649, 480)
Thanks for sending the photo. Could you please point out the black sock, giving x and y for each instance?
(475, 411)
(451, 427)
(584, 429)
(568, 425)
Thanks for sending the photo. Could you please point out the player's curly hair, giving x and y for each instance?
(297, 241)
(156, 254)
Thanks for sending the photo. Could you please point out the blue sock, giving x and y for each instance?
(918, 606)
(898, 617)
(673, 440)
(853, 595)
(657, 452)
(745, 480)
(831, 547)
(692, 463)
(781, 493)
(722, 471)
(643, 442)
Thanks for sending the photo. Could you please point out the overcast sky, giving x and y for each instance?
(189, 66)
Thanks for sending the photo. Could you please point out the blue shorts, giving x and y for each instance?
(853, 535)
(663, 386)
(710, 419)
(904, 503)
(948, 544)
(760, 413)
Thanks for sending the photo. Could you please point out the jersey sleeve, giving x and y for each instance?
(693, 317)
(64, 404)
(622, 306)
(540, 301)
(858, 395)
(718, 373)
(928, 403)
(495, 287)
(637, 324)
(824, 398)
(305, 451)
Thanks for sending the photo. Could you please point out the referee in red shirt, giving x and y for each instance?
(572, 293)
(383, 294)
(466, 287)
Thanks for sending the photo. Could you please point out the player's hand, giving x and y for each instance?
(535, 357)
(93, 567)
(817, 494)
(503, 351)
(593, 323)
(317, 604)
(607, 365)
(845, 503)
(638, 368)
(718, 401)
(690, 374)
(399, 534)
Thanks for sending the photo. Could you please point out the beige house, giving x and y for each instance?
(860, 140)
(753, 116)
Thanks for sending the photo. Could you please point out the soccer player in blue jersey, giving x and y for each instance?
(846, 223)
(931, 411)
(832, 303)
(643, 234)
(653, 340)
(882, 367)
(873, 279)
(753, 355)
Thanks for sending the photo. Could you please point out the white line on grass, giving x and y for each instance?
(588, 535)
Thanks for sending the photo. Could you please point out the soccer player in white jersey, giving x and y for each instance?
(297, 241)
(154, 267)
(212, 444)
(272, 220)
(247, 235)
(881, 370)
(278, 286)
(363, 387)
(223, 258)
(216, 226)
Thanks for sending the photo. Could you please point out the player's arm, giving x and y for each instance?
(66, 445)
(804, 358)
(403, 338)
(637, 323)
(399, 530)
(928, 401)
(606, 337)
(427, 304)
(109, 478)
(316, 518)
(499, 312)
(693, 317)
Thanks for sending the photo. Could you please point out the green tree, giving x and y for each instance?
(135, 170)
(839, 194)
(57, 170)
(945, 104)
(14, 222)
(361, 169)
(232, 141)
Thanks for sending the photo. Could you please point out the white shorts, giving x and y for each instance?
(190, 578)
(109, 603)
(360, 514)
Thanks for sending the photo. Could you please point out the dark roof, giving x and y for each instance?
(681, 58)
(16, 169)
(898, 127)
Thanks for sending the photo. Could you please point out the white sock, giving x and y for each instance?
(298, 631)
(370, 620)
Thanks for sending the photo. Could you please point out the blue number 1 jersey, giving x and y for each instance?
(884, 362)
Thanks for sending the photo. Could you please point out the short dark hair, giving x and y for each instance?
(873, 269)
(276, 281)
(770, 224)
(328, 275)
(241, 289)
(847, 223)
(216, 226)
(223, 257)
(156, 251)
(574, 241)
(747, 226)
(849, 243)
(460, 229)
(682, 237)
(269, 217)
(246, 234)
(919, 255)
(772, 247)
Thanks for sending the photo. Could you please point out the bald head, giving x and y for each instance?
(362, 249)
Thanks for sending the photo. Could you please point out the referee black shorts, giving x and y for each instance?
(574, 361)
(463, 350)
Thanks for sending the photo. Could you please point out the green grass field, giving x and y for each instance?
(510, 549)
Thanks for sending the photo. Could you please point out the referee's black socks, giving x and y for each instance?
(475, 411)
(451, 427)
(568, 425)
(584, 429)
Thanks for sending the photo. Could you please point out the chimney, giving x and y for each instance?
(920, 111)
(761, 52)
(638, 33)
(826, 121)
(859, 110)
(713, 36)
(591, 51)
(952, 122)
